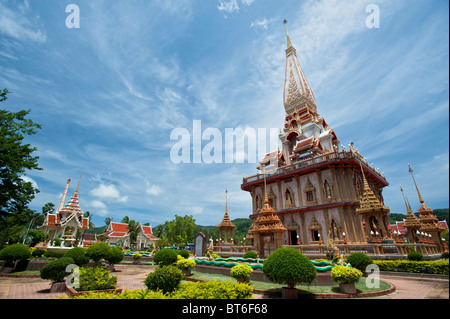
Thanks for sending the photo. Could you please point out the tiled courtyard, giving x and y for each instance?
(131, 277)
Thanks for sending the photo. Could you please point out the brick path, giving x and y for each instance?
(131, 277)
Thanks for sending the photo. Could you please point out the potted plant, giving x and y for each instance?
(185, 265)
(56, 272)
(289, 266)
(136, 257)
(359, 261)
(97, 279)
(346, 277)
(241, 273)
(11, 254)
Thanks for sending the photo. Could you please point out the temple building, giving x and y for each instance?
(67, 223)
(314, 188)
(314, 185)
(117, 234)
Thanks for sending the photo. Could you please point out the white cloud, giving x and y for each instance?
(230, 6)
(264, 23)
(109, 193)
(18, 24)
(153, 190)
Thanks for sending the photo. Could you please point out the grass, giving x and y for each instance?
(271, 286)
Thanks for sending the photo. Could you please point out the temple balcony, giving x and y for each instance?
(310, 163)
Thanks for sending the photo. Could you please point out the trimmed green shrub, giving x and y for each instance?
(289, 266)
(359, 261)
(98, 278)
(165, 257)
(165, 279)
(98, 251)
(250, 254)
(38, 253)
(14, 252)
(56, 270)
(213, 290)
(415, 256)
(115, 256)
(188, 290)
(78, 255)
(445, 255)
(425, 267)
(242, 272)
(184, 253)
(345, 275)
(185, 264)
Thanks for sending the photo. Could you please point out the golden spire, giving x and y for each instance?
(289, 44)
(226, 200)
(76, 191)
(408, 207)
(266, 198)
(420, 196)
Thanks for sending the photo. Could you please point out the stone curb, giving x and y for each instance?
(318, 296)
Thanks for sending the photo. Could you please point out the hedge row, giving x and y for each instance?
(426, 267)
(188, 290)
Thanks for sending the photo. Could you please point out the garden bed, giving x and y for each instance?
(311, 292)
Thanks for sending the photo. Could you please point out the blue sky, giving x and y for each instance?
(109, 94)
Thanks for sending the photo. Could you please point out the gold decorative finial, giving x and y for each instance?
(266, 198)
(76, 191)
(408, 207)
(226, 200)
(289, 44)
(420, 196)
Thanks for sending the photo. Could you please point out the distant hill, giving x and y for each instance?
(441, 214)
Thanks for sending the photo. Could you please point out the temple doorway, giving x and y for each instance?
(293, 237)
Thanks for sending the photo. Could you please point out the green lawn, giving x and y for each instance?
(360, 285)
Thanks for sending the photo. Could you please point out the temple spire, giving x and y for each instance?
(76, 190)
(63, 198)
(289, 44)
(408, 207)
(418, 192)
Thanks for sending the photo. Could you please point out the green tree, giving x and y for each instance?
(15, 160)
(133, 230)
(180, 230)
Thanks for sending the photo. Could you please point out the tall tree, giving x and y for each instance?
(16, 159)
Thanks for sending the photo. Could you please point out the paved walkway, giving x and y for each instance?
(132, 276)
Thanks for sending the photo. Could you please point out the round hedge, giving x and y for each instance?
(359, 261)
(415, 256)
(165, 278)
(56, 270)
(165, 257)
(78, 255)
(242, 271)
(289, 266)
(98, 251)
(115, 256)
(250, 254)
(184, 253)
(14, 252)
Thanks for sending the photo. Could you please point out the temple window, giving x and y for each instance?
(327, 187)
(310, 196)
(289, 199)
